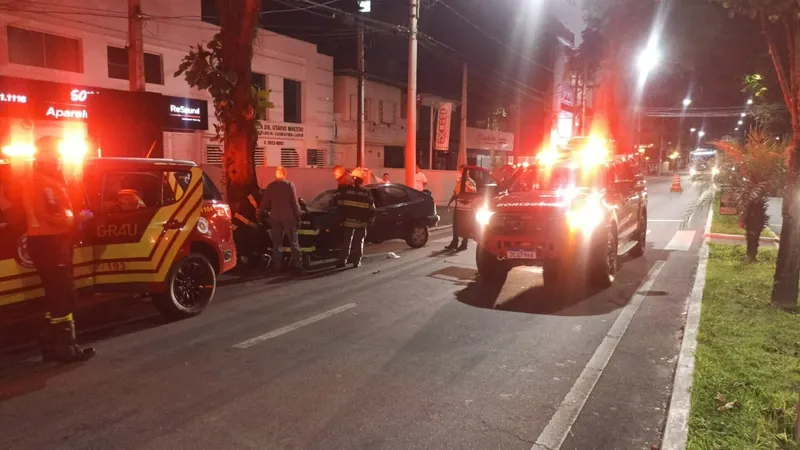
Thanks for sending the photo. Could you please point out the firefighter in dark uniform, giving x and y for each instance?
(357, 211)
(50, 228)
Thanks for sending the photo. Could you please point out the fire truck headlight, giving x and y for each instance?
(586, 214)
(73, 151)
(19, 150)
(483, 216)
(203, 226)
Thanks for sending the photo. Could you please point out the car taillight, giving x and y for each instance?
(222, 210)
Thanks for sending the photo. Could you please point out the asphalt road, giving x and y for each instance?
(403, 353)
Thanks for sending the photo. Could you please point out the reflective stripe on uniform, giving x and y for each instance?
(65, 319)
(352, 223)
(308, 232)
(355, 204)
(252, 201)
(302, 249)
(244, 220)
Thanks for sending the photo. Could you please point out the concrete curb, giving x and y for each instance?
(740, 237)
(443, 227)
(676, 431)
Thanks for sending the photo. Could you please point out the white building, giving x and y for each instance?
(80, 44)
(385, 127)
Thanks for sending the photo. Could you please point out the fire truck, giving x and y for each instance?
(573, 213)
(157, 227)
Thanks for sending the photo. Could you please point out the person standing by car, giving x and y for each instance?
(280, 199)
(469, 187)
(420, 180)
(357, 211)
(50, 226)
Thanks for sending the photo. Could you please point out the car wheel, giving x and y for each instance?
(641, 238)
(417, 236)
(603, 268)
(190, 286)
(490, 268)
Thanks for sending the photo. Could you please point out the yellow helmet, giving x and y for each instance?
(358, 172)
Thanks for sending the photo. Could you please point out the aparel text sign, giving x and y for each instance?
(443, 118)
(294, 131)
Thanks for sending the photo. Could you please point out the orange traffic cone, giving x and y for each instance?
(676, 184)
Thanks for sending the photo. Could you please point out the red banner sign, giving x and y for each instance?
(443, 126)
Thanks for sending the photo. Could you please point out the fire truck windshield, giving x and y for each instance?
(551, 179)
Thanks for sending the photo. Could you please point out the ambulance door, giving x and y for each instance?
(144, 218)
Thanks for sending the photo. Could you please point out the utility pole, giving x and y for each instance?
(517, 129)
(411, 104)
(462, 141)
(135, 46)
(360, 138)
(583, 97)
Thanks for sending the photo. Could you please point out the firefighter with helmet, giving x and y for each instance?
(357, 211)
(50, 227)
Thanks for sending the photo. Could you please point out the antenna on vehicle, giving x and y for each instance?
(149, 152)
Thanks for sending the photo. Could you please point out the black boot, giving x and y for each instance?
(66, 349)
(452, 245)
(463, 245)
(46, 341)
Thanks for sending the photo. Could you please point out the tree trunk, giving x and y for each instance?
(752, 236)
(239, 22)
(787, 271)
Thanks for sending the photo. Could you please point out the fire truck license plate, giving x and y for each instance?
(521, 254)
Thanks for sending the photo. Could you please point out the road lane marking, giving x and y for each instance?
(560, 424)
(665, 220)
(682, 241)
(294, 326)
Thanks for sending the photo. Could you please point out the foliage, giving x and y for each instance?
(202, 68)
(768, 110)
(747, 363)
(750, 172)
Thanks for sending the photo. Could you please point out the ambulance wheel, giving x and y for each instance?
(190, 286)
(417, 236)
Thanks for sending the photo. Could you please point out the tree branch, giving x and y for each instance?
(786, 88)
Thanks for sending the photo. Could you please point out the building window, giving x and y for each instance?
(260, 157)
(289, 157)
(403, 105)
(292, 101)
(315, 157)
(259, 80)
(214, 155)
(387, 113)
(118, 65)
(393, 157)
(33, 48)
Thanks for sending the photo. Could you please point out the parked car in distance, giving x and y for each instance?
(402, 213)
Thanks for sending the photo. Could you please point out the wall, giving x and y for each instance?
(171, 28)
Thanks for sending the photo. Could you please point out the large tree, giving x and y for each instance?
(780, 28)
(222, 66)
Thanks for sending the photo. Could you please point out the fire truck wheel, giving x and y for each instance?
(190, 286)
(641, 236)
(490, 268)
(417, 235)
(604, 259)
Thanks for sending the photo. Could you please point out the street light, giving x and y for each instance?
(750, 101)
(741, 122)
(736, 129)
(687, 102)
(693, 130)
(701, 133)
(648, 60)
(744, 114)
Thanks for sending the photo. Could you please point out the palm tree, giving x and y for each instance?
(751, 172)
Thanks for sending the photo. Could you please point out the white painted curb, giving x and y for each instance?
(676, 430)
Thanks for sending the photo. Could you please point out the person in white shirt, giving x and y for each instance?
(420, 180)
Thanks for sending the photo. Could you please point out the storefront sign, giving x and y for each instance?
(281, 130)
(41, 100)
(443, 126)
(186, 114)
(479, 139)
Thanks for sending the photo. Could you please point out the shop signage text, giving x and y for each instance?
(282, 130)
(443, 126)
(187, 113)
(57, 113)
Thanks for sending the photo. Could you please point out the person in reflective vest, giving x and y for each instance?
(357, 211)
(469, 187)
(50, 226)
